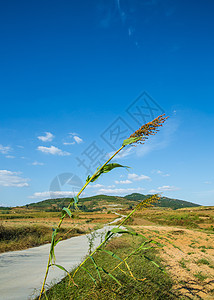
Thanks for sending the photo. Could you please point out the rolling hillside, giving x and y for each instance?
(103, 202)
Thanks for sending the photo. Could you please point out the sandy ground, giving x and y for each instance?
(188, 256)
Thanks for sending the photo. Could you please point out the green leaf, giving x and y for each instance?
(108, 235)
(94, 280)
(131, 140)
(52, 254)
(88, 178)
(109, 274)
(62, 268)
(153, 262)
(107, 168)
(76, 200)
(56, 242)
(110, 253)
(67, 210)
(96, 267)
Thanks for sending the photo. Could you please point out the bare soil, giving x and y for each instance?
(188, 256)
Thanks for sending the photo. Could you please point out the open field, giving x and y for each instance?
(195, 217)
(21, 229)
(187, 255)
(188, 252)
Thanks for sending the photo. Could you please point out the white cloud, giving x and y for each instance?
(77, 139)
(136, 177)
(117, 191)
(95, 186)
(161, 173)
(72, 143)
(8, 178)
(51, 194)
(48, 137)
(36, 163)
(164, 188)
(10, 156)
(4, 149)
(207, 182)
(123, 181)
(52, 150)
(168, 188)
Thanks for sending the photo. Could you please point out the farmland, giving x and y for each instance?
(186, 235)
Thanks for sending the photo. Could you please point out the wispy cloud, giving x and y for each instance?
(10, 156)
(123, 181)
(117, 191)
(67, 144)
(52, 150)
(95, 186)
(161, 173)
(164, 188)
(51, 194)
(77, 139)
(36, 163)
(12, 179)
(5, 149)
(136, 177)
(48, 137)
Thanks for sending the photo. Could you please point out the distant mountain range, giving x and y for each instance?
(103, 202)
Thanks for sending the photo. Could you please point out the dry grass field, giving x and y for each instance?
(188, 247)
(22, 229)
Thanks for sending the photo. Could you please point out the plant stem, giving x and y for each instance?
(61, 219)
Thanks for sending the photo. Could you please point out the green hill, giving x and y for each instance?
(102, 202)
(164, 201)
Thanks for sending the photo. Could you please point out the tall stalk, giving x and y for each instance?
(138, 137)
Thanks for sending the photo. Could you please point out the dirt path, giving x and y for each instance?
(188, 256)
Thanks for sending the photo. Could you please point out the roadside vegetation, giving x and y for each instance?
(27, 236)
(144, 281)
(21, 229)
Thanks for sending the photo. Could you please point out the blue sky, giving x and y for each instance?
(73, 73)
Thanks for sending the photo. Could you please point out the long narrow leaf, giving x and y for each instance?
(52, 254)
(109, 274)
(106, 169)
(96, 267)
(67, 211)
(62, 268)
(153, 262)
(94, 280)
(110, 253)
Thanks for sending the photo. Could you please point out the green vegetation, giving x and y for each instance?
(164, 201)
(99, 203)
(203, 261)
(200, 276)
(146, 281)
(187, 218)
(26, 236)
